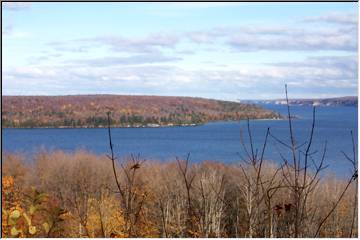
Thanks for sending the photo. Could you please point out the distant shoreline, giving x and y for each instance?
(144, 126)
(350, 101)
(100, 127)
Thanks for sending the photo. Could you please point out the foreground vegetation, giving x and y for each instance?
(74, 195)
(128, 111)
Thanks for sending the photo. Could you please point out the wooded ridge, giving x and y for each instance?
(127, 111)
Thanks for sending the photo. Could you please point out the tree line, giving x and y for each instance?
(75, 195)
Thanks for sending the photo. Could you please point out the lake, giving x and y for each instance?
(218, 141)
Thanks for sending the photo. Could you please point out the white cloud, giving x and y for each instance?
(32, 72)
(150, 43)
(150, 64)
(16, 34)
(280, 37)
(283, 38)
(335, 17)
(120, 61)
(7, 30)
(317, 75)
(15, 6)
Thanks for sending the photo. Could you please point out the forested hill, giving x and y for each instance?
(126, 111)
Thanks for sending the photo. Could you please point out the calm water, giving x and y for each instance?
(213, 141)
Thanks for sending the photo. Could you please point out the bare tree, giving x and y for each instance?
(295, 172)
(354, 165)
(132, 194)
(257, 187)
(353, 178)
(210, 193)
(301, 175)
(188, 179)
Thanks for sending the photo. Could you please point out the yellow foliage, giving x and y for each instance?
(7, 183)
(16, 220)
(9, 204)
(105, 218)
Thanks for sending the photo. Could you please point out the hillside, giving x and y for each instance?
(127, 111)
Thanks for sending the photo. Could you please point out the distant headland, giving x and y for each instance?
(87, 111)
(338, 101)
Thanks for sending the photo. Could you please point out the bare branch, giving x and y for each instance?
(113, 157)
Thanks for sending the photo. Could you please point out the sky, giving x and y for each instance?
(226, 51)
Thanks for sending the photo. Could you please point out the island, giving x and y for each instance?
(88, 111)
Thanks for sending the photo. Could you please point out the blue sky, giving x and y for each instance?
(215, 50)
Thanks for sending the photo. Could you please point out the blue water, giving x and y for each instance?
(213, 141)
